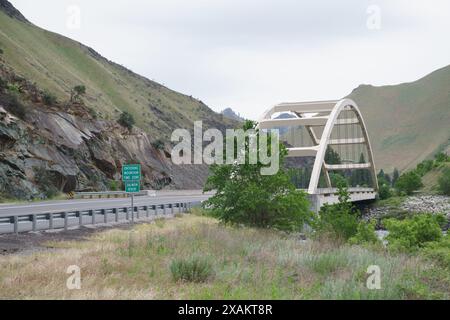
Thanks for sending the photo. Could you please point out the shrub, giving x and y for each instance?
(126, 120)
(113, 185)
(14, 105)
(439, 251)
(13, 88)
(327, 263)
(338, 220)
(158, 144)
(246, 197)
(409, 182)
(413, 233)
(1, 51)
(49, 99)
(3, 84)
(385, 192)
(44, 180)
(441, 157)
(365, 233)
(193, 269)
(444, 182)
(424, 167)
(79, 90)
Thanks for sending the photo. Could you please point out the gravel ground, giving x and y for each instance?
(29, 242)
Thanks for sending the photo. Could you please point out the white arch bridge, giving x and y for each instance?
(327, 143)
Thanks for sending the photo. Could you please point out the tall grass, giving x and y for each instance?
(194, 257)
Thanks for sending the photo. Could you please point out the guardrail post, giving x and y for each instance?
(137, 212)
(116, 214)
(105, 216)
(80, 217)
(165, 209)
(66, 220)
(34, 217)
(93, 216)
(16, 224)
(147, 211)
(171, 207)
(127, 214)
(50, 221)
(155, 208)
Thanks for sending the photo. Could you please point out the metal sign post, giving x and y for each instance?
(131, 176)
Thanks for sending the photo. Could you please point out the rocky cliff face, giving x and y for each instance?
(9, 9)
(63, 147)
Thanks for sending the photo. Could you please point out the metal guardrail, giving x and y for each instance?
(111, 194)
(16, 223)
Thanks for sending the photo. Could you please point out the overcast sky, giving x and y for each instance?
(251, 54)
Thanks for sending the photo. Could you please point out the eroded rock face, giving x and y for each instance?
(78, 153)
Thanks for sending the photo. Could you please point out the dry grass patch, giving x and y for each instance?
(241, 263)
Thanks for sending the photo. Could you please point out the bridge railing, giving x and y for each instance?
(16, 223)
(350, 190)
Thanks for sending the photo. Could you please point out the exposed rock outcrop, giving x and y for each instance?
(74, 150)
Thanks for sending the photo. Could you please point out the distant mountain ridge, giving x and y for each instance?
(230, 114)
(408, 122)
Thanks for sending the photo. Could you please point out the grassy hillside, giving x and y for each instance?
(430, 179)
(407, 122)
(57, 64)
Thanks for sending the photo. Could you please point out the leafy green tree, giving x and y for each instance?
(424, 167)
(444, 182)
(384, 183)
(332, 157)
(365, 233)
(395, 176)
(245, 197)
(126, 120)
(384, 178)
(361, 177)
(409, 182)
(338, 220)
(384, 191)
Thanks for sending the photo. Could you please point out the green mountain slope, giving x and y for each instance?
(49, 146)
(407, 122)
(430, 179)
(57, 64)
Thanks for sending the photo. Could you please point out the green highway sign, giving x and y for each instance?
(132, 186)
(131, 172)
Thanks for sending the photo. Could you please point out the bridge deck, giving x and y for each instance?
(330, 196)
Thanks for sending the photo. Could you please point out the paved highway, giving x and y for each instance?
(85, 204)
